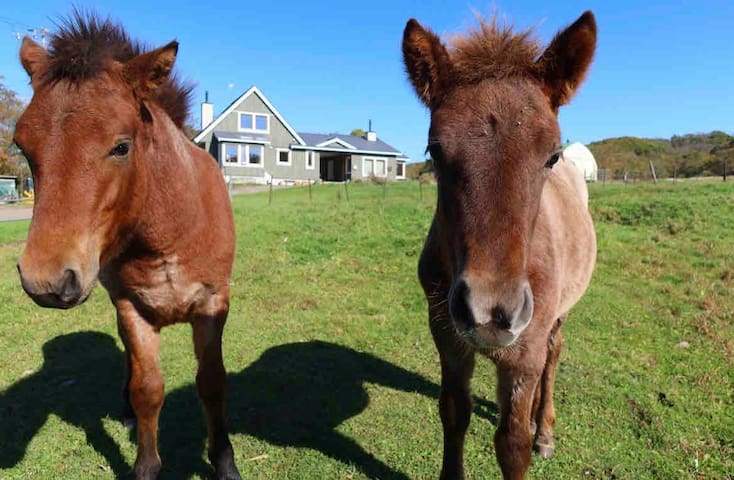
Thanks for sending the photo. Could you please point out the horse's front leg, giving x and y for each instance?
(455, 403)
(544, 414)
(128, 414)
(145, 385)
(211, 382)
(513, 439)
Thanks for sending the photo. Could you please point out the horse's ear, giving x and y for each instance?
(427, 62)
(563, 65)
(34, 59)
(150, 70)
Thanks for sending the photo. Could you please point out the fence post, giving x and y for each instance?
(346, 190)
(420, 187)
(309, 190)
(270, 193)
(652, 171)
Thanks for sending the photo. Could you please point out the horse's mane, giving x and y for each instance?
(83, 46)
(490, 50)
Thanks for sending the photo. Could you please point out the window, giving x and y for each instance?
(380, 170)
(284, 157)
(367, 167)
(254, 155)
(247, 154)
(400, 170)
(254, 122)
(310, 160)
(374, 166)
(229, 153)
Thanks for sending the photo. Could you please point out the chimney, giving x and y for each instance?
(207, 111)
(371, 136)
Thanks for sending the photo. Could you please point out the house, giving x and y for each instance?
(253, 143)
(583, 159)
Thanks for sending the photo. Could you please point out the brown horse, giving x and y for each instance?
(122, 195)
(512, 245)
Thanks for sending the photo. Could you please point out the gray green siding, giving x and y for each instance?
(358, 161)
(279, 138)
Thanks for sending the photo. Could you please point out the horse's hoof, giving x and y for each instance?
(544, 450)
(129, 422)
(144, 473)
(230, 473)
(223, 463)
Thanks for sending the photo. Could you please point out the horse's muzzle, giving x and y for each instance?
(65, 291)
(489, 319)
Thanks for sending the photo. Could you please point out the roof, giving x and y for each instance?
(578, 151)
(347, 143)
(232, 106)
(240, 137)
(326, 142)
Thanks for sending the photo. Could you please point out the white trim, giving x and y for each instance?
(254, 128)
(336, 140)
(243, 140)
(341, 150)
(398, 162)
(312, 154)
(277, 157)
(374, 161)
(233, 106)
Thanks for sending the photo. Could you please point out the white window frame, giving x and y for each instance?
(312, 155)
(397, 165)
(374, 161)
(254, 128)
(278, 151)
(245, 155)
(224, 154)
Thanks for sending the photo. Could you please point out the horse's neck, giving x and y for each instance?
(172, 205)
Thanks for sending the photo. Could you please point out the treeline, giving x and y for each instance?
(691, 155)
(688, 155)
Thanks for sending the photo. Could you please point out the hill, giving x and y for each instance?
(690, 155)
(682, 155)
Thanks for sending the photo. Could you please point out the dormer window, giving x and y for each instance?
(254, 122)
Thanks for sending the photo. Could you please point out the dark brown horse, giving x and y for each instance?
(122, 195)
(512, 245)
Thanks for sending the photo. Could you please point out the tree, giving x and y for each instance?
(12, 161)
(723, 159)
(357, 132)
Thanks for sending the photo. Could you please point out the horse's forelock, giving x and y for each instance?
(85, 44)
(491, 50)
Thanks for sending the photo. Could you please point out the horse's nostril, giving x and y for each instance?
(69, 288)
(459, 304)
(501, 318)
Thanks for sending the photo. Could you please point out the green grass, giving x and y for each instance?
(333, 374)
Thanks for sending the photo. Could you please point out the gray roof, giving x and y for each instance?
(360, 143)
(242, 137)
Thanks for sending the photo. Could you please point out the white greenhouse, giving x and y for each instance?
(583, 159)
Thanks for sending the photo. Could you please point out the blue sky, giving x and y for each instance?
(661, 68)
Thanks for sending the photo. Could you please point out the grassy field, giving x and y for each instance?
(333, 374)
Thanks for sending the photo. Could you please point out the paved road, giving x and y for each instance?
(15, 212)
(10, 213)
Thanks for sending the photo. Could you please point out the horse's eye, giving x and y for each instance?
(553, 160)
(434, 148)
(120, 150)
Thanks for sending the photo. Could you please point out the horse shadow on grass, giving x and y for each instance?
(294, 395)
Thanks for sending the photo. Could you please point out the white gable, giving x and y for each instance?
(336, 142)
(236, 103)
